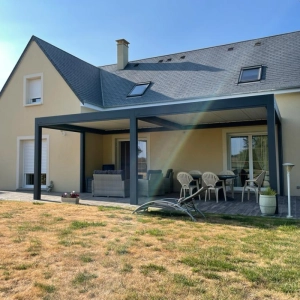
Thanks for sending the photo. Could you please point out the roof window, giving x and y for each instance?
(250, 74)
(257, 44)
(230, 49)
(161, 60)
(136, 65)
(169, 59)
(182, 57)
(139, 89)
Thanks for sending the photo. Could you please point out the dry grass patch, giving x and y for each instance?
(61, 251)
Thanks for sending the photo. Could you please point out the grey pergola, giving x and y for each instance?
(151, 114)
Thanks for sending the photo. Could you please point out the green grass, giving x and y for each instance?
(84, 224)
(45, 287)
(86, 258)
(23, 266)
(146, 269)
(58, 252)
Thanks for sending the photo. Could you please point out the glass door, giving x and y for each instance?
(125, 158)
(239, 158)
(248, 157)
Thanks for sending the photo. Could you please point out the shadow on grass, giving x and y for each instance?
(223, 219)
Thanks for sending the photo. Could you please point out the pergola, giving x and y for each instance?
(227, 112)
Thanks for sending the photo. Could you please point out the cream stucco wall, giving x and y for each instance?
(179, 150)
(289, 107)
(18, 120)
(94, 153)
(204, 150)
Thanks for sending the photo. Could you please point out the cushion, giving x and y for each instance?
(153, 172)
(108, 167)
(100, 172)
(110, 172)
(169, 171)
(116, 172)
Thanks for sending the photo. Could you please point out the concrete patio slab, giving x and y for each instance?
(230, 207)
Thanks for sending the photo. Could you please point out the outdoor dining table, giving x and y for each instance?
(224, 178)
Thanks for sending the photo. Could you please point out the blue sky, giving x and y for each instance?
(88, 29)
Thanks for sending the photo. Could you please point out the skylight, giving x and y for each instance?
(250, 74)
(139, 89)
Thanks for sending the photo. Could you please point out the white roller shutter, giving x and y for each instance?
(35, 88)
(28, 155)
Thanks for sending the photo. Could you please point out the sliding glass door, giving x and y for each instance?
(124, 157)
(248, 156)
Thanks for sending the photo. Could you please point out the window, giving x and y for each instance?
(25, 162)
(250, 74)
(139, 89)
(248, 156)
(33, 89)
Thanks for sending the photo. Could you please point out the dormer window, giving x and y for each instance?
(139, 89)
(250, 74)
(33, 89)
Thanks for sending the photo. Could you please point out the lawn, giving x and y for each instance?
(65, 251)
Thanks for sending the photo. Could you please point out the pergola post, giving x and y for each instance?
(82, 162)
(272, 146)
(37, 161)
(133, 160)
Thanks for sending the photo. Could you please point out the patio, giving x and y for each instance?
(236, 207)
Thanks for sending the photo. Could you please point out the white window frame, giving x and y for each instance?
(20, 139)
(27, 78)
(116, 151)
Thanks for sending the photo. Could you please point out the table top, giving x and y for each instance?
(196, 176)
(224, 177)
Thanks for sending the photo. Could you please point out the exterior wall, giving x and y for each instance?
(94, 153)
(179, 150)
(289, 107)
(58, 99)
(87, 110)
(203, 150)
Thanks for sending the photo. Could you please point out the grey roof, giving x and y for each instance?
(201, 74)
(82, 77)
(207, 73)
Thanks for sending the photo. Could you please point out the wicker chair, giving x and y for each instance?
(229, 182)
(185, 179)
(168, 181)
(255, 185)
(210, 181)
(153, 185)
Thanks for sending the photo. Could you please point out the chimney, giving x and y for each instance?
(122, 53)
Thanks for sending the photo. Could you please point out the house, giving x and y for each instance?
(232, 106)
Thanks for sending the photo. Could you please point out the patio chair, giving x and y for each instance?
(153, 185)
(185, 205)
(210, 181)
(255, 185)
(229, 182)
(186, 180)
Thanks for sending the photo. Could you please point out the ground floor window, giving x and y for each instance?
(29, 179)
(248, 156)
(26, 163)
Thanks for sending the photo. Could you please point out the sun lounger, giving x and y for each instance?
(185, 205)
